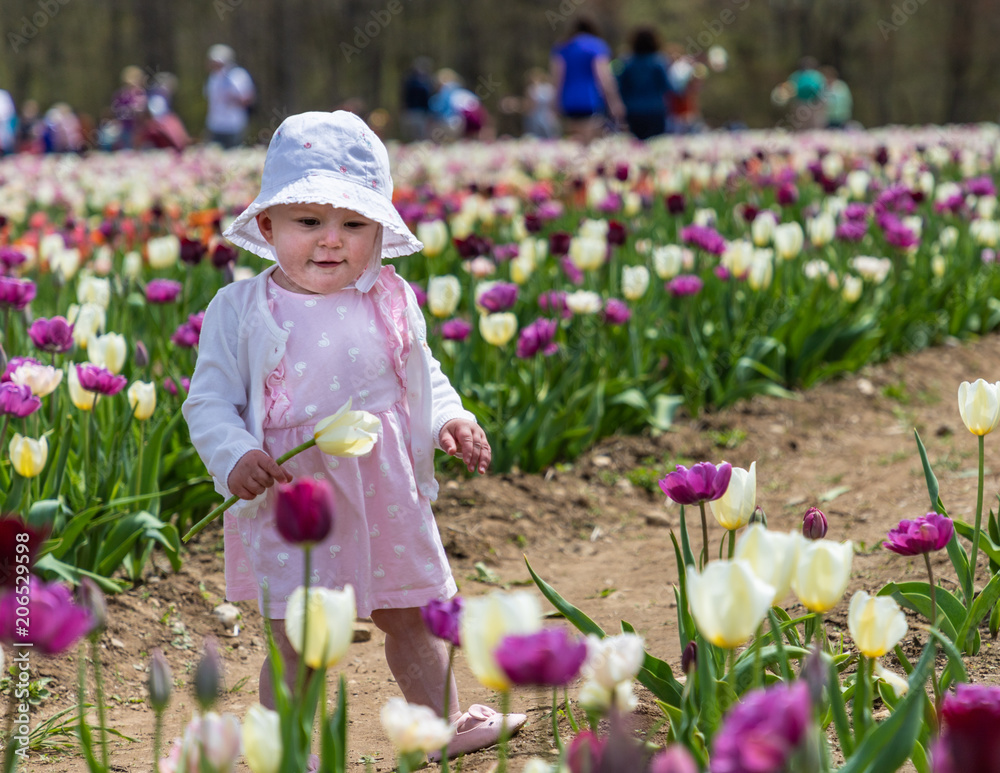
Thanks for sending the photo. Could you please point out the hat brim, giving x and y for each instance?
(320, 188)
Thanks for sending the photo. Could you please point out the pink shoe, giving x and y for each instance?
(478, 728)
(313, 765)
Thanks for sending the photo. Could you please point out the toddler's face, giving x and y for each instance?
(320, 249)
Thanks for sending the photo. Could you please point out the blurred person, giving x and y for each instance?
(61, 130)
(645, 85)
(803, 92)
(128, 107)
(8, 123)
(231, 94)
(163, 127)
(459, 110)
(418, 88)
(837, 95)
(29, 128)
(538, 108)
(687, 76)
(586, 88)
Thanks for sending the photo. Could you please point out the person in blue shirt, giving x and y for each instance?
(587, 92)
(644, 85)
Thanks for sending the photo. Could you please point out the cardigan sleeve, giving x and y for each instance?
(217, 399)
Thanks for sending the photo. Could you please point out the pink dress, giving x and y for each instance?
(384, 540)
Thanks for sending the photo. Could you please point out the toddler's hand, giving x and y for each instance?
(464, 438)
(254, 472)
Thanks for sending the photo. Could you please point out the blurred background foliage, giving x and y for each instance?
(907, 61)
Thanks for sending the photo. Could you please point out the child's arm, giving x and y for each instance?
(254, 472)
(461, 437)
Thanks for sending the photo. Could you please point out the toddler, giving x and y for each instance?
(283, 350)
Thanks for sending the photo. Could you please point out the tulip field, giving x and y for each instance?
(696, 293)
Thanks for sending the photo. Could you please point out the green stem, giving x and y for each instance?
(447, 702)
(95, 655)
(504, 732)
(862, 699)
(732, 543)
(142, 442)
(979, 521)
(574, 726)
(157, 739)
(555, 720)
(930, 582)
(233, 499)
(704, 536)
(300, 676)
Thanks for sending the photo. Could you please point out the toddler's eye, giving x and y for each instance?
(309, 221)
(355, 224)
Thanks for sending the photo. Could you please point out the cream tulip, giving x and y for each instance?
(434, 235)
(822, 571)
(728, 601)
(668, 261)
(521, 269)
(821, 229)
(852, 287)
(87, 319)
(27, 455)
(584, 302)
(876, 623)
(262, 744)
(613, 659)
(762, 228)
(108, 351)
(92, 289)
(979, 406)
(443, 295)
(331, 624)
(635, 282)
(588, 253)
(163, 251)
(142, 399)
(772, 556)
(132, 265)
(42, 380)
(761, 270)
(83, 399)
(65, 263)
(737, 257)
(734, 508)
(347, 433)
(788, 239)
(414, 728)
(498, 329)
(485, 621)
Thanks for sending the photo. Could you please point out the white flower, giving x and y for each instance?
(434, 235)
(852, 288)
(772, 556)
(91, 289)
(163, 251)
(331, 624)
(821, 229)
(728, 601)
(485, 621)
(613, 659)
(668, 261)
(635, 282)
(108, 351)
(822, 571)
(443, 295)
(737, 257)
(876, 623)
(588, 253)
(873, 269)
(497, 329)
(733, 509)
(583, 302)
(762, 228)
(857, 183)
(262, 744)
(414, 728)
(788, 239)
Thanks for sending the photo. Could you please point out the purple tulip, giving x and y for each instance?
(617, 234)
(704, 237)
(969, 741)
(163, 290)
(616, 312)
(704, 482)
(684, 285)
(549, 657)
(554, 301)
(304, 510)
(501, 297)
(456, 329)
(90, 597)
(761, 733)
(573, 274)
(814, 524)
(52, 335)
(675, 203)
(11, 258)
(585, 753)
(420, 293)
(856, 210)
(16, 293)
(100, 380)
(852, 230)
(17, 400)
(922, 535)
(559, 243)
(185, 336)
(787, 194)
(171, 387)
(981, 186)
(503, 252)
(13, 364)
(472, 247)
(55, 623)
(192, 251)
(10, 527)
(674, 759)
(224, 255)
(538, 337)
(442, 618)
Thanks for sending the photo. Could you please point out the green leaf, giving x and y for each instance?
(916, 596)
(657, 676)
(984, 602)
(933, 488)
(831, 494)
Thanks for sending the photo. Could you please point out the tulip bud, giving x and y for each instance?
(207, 676)
(160, 681)
(814, 524)
(90, 598)
(758, 516)
(141, 358)
(304, 510)
(689, 658)
(814, 671)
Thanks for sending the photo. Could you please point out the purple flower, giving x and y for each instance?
(969, 741)
(610, 203)
(617, 234)
(13, 364)
(456, 329)
(192, 251)
(856, 210)
(185, 336)
(420, 293)
(569, 268)
(538, 337)
(17, 400)
(616, 312)
(674, 759)
(922, 535)
(675, 203)
(442, 618)
(988, 256)
(704, 482)
(303, 511)
(55, 623)
(11, 258)
(704, 237)
(52, 335)
(761, 733)
(981, 186)
(472, 246)
(501, 297)
(223, 255)
(503, 252)
(549, 657)
(171, 387)
(196, 321)
(852, 230)
(684, 284)
(722, 272)
(10, 557)
(559, 243)
(100, 380)
(814, 524)
(554, 301)
(532, 223)
(16, 293)
(787, 194)
(162, 290)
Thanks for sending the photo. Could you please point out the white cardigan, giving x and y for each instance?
(241, 344)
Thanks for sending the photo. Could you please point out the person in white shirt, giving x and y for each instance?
(230, 93)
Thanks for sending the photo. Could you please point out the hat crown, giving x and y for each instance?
(337, 144)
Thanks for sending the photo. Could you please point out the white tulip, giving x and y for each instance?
(876, 623)
(443, 295)
(262, 744)
(108, 351)
(635, 282)
(979, 406)
(788, 239)
(485, 621)
(331, 624)
(728, 601)
(822, 571)
(762, 228)
(588, 253)
(821, 229)
(434, 235)
(734, 508)
(583, 302)
(772, 555)
(668, 261)
(414, 728)
(163, 251)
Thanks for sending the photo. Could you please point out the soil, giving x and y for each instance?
(599, 531)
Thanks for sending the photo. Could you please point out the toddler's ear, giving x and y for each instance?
(264, 224)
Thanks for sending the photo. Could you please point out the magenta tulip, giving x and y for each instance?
(683, 285)
(500, 297)
(13, 364)
(922, 535)
(11, 258)
(16, 293)
(704, 482)
(54, 622)
(537, 337)
(456, 329)
(616, 312)
(17, 400)
(100, 380)
(969, 741)
(163, 291)
(814, 524)
(52, 335)
(550, 657)
(442, 618)
(674, 759)
(304, 510)
(192, 251)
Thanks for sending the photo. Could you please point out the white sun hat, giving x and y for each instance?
(326, 158)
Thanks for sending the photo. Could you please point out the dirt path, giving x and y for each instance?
(598, 533)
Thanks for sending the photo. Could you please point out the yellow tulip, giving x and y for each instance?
(979, 405)
(822, 572)
(728, 601)
(82, 399)
(772, 556)
(877, 624)
(262, 745)
(498, 329)
(331, 624)
(142, 399)
(108, 351)
(734, 508)
(347, 433)
(28, 455)
(485, 621)
(443, 295)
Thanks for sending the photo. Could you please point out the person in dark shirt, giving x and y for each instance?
(418, 87)
(644, 85)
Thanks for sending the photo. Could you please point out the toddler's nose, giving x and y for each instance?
(332, 236)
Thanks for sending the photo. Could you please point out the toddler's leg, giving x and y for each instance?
(290, 659)
(418, 660)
